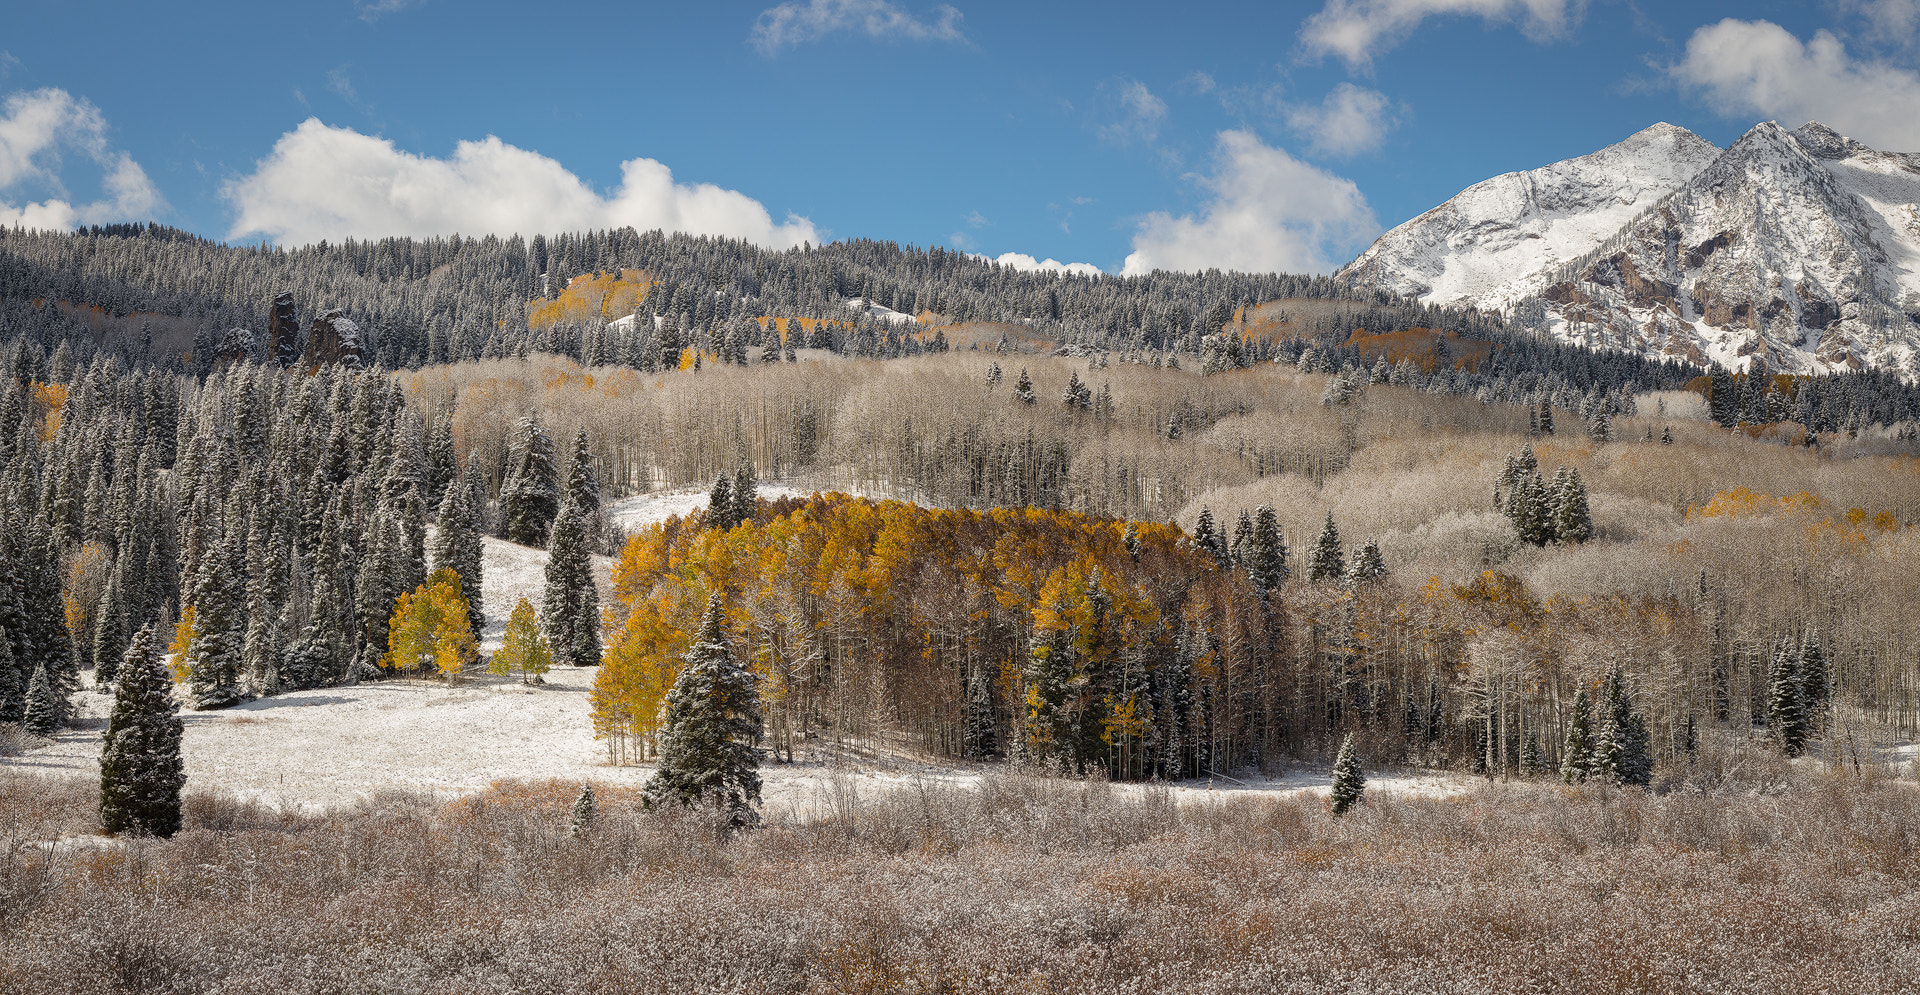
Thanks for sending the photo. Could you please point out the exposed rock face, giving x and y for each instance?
(1798, 248)
(283, 332)
(334, 338)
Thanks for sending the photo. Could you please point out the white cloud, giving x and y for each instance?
(1896, 21)
(1358, 30)
(1352, 119)
(1269, 212)
(1027, 264)
(795, 23)
(1137, 114)
(35, 128)
(1198, 82)
(373, 10)
(1748, 68)
(321, 182)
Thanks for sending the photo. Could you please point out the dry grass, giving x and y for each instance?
(1769, 882)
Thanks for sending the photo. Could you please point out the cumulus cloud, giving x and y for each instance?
(1269, 212)
(1027, 264)
(796, 23)
(1758, 68)
(322, 182)
(1137, 113)
(1895, 21)
(1358, 30)
(36, 128)
(1352, 119)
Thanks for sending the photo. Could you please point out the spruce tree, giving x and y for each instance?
(1786, 711)
(572, 604)
(746, 495)
(13, 685)
(583, 485)
(1267, 551)
(215, 656)
(457, 545)
(1207, 538)
(711, 721)
(1349, 783)
(1572, 521)
(1023, 388)
(720, 507)
(1368, 564)
(1576, 754)
(109, 633)
(585, 812)
(46, 706)
(1327, 560)
(141, 772)
(1623, 751)
(530, 497)
(1815, 681)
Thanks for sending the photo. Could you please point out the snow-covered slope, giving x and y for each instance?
(1491, 243)
(1798, 248)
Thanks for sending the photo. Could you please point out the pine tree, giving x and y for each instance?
(1368, 564)
(585, 812)
(711, 722)
(1786, 711)
(522, 647)
(530, 498)
(1572, 521)
(720, 504)
(583, 485)
(1349, 783)
(1207, 538)
(1816, 688)
(746, 495)
(572, 604)
(141, 772)
(1576, 755)
(109, 633)
(214, 657)
(1546, 416)
(1327, 560)
(1623, 751)
(1023, 389)
(457, 545)
(1267, 551)
(46, 706)
(13, 686)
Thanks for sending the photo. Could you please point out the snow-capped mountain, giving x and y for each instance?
(1800, 248)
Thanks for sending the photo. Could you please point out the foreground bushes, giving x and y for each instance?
(1020, 884)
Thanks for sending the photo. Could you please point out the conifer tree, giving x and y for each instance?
(1023, 388)
(457, 545)
(585, 812)
(1623, 751)
(1207, 539)
(1572, 521)
(1786, 711)
(214, 657)
(1815, 681)
(1267, 551)
(1368, 564)
(572, 606)
(712, 719)
(141, 772)
(746, 495)
(1327, 560)
(109, 633)
(522, 647)
(46, 706)
(1546, 416)
(530, 498)
(720, 504)
(1349, 783)
(13, 687)
(583, 485)
(1576, 755)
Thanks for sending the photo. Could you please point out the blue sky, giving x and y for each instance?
(1118, 134)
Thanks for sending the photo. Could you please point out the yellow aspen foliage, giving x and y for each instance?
(180, 651)
(522, 647)
(429, 628)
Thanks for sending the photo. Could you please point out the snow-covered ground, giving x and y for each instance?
(335, 746)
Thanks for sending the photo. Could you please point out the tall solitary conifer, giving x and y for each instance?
(707, 756)
(141, 772)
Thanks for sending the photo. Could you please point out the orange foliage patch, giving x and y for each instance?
(1419, 345)
(602, 295)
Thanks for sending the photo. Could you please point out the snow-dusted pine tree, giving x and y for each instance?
(140, 767)
(1327, 560)
(1786, 711)
(1576, 754)
(585, 812)
(712, 720)
(1348, 781)
(572, 606)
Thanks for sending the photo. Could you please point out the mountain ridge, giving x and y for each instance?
(1799, 249)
